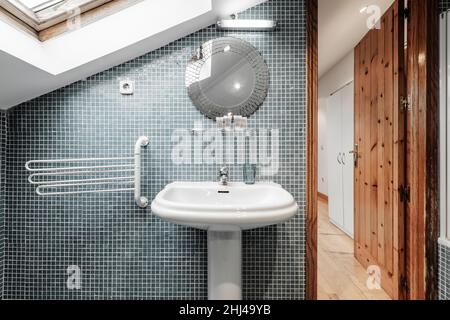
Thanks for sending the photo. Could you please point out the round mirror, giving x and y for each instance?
(227, 75)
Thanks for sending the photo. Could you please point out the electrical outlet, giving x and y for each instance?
(126, 87)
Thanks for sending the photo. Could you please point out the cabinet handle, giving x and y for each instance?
(338, 158)
(343, 158)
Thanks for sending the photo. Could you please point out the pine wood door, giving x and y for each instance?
(379, 134)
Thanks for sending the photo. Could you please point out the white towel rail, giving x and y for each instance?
(68, 173)
(140, 200)
(59, 161)
(46, 169)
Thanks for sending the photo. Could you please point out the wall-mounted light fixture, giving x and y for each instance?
(246, 25)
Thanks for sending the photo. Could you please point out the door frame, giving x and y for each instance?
(423, 149)
(422, 215)
(312, 111)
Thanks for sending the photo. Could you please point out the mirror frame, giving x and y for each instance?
(216, 46)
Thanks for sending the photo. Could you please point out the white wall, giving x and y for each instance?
(322, 143)
(338, 76)
(334, 79)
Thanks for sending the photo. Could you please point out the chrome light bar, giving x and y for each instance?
(246, 25)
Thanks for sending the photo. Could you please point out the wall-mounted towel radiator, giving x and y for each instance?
(89, 175)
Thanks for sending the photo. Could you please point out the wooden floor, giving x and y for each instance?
(340, 276)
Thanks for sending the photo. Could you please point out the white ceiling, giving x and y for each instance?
(341, 27)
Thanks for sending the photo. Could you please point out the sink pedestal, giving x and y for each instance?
(224, 265)
(224, 211)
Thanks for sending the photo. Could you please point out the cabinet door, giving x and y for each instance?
(334, 137)
(348, 163)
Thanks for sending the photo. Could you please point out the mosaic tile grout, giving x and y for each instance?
(3, 141)
(124, 252)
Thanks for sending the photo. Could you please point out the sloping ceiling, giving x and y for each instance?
(341, 27)
(30, 68)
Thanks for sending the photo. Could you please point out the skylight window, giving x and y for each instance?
(42, 15)
(37, 5)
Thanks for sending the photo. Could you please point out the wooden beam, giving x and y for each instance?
(21, 12)
(312, 138)
(422, 154)
(16, 23)
(432, 151)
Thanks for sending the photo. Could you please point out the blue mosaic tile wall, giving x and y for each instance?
(124, 252)
(3, 136)
(444, 5)
(444, 272)
(444, 252)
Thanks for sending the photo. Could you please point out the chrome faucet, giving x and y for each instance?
(223, 176)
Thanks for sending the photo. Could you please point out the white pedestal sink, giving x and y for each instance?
(224, 211)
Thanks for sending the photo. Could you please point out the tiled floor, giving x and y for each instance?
(340, 276)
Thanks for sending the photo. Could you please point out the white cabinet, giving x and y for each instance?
(340, 140)
(334, 142)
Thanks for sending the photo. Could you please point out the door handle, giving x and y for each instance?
(355, 153)
(338, 158)
(343, 158)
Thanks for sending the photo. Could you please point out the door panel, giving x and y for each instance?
(388, 140)
(379, 132)
(334, 132)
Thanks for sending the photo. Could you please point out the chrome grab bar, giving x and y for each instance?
(60, 170)
(140, 200)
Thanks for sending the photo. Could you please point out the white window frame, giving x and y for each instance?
(45, 5)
